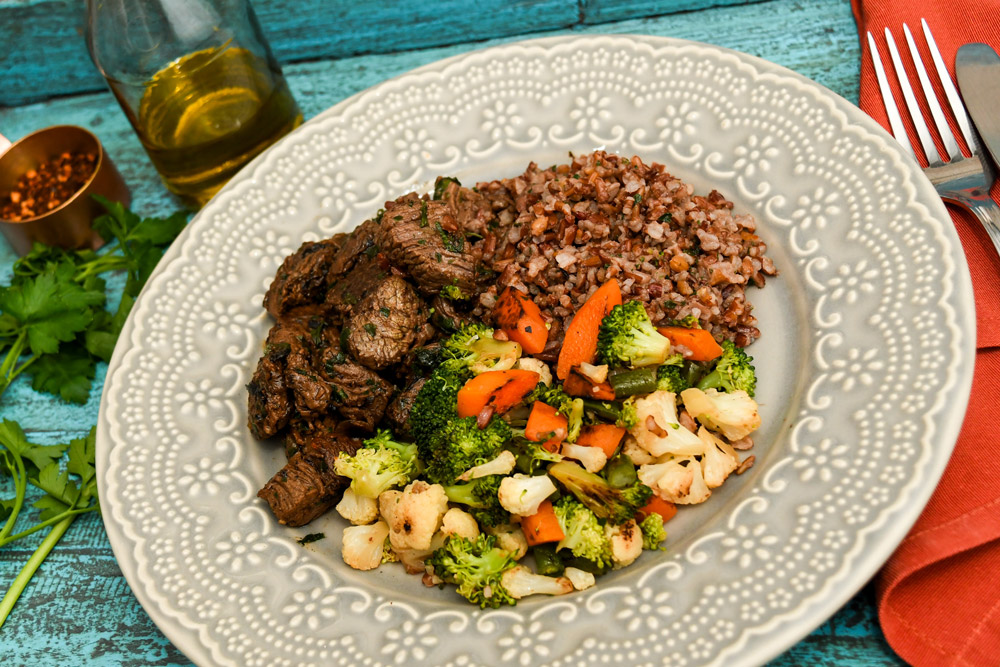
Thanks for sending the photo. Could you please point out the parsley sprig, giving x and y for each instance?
(68, 492)
(55, 326)
(53, 319)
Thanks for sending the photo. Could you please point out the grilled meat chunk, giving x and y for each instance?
(471, 210)
(398, 414)
(425, 239)
(269, 402)
(359, 394)
(347, 291)
(308, 486)
(302, 431)
(301, 280)
(385, 323)
(358, 244)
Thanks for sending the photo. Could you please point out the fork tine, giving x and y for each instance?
(916, 115)
(891, 110)
(944, 130)
(954, 101)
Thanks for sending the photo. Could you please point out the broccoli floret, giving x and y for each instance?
(380, 464)
(733, 371)
(622, 414)
(689, 321)
(475, 566)
(474, 347)
(627, 337)
(671, 376)
(436, 404)
(453, 293)
(628, 417)
(608, 502)
(569, 407)
(481, 497)
(531, 456)
(653, 532)
(461, 444)
(584, 534)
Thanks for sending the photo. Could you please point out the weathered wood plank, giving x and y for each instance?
(45, 55)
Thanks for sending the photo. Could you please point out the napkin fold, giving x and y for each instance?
(939, 593)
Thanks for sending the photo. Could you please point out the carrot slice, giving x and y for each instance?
(700, 341)
(542, 526)
(578, 385)
(658, 505)
(546, 422)
(580, 342)
(605, 436)
(522, 320)
(500, 390)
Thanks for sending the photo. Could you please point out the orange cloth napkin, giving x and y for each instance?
(939, 594)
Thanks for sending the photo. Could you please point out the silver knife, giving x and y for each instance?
(977, 67)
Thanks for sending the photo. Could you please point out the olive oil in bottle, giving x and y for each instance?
(198, 83)
(207, 114)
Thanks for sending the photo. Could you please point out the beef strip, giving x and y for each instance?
(446, 316)
(471, 210)
(385, 323)
(346, 292)
(308, 486)
(302, 278)
(302, 431)
(358, 244)
(269, 404)
(398, 414)
(359, 394)
(424, 238)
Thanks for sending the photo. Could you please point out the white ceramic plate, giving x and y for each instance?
(865, 366)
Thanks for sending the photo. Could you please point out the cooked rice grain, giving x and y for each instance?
(561, 232)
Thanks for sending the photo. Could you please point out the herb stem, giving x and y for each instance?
(24, 533)
(20, 488)
(24, 576)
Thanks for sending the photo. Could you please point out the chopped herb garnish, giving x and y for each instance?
(384, 311)
(423, 213)
(311, 537)
(370, 328)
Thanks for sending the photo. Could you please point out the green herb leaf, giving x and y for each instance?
(66, 374)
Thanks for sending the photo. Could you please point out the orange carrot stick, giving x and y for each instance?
(542, 526)
(522, 320)
(500, 390)
(658, 505)
(546, 422)
(605, 436)
(703, 347)
(578, 385)
(580, 342)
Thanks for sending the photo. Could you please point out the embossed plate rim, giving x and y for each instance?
(758, 647)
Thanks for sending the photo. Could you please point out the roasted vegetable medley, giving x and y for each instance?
(577, 465)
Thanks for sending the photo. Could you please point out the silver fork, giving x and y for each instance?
(961, 180)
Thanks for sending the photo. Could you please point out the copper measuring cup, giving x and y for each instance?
(67, 225)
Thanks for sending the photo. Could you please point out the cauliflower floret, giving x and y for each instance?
(521, 582)
(580, 579)
(538, 366)
(626, 542)
(592, 458)
(718, 461)
(510, 538)
(359, 510)
(503, 464)
(522, 494)
(459, 522)
(387, 503)
(658, 430)
(635, 453)
(677, 479)
(734, 413)
(362, 545)
(417, 516)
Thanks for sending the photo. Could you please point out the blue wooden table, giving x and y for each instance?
(79, 610)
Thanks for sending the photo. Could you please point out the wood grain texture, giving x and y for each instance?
(300, 30)
(79, 610)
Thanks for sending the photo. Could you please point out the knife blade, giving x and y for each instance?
(977, 67)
